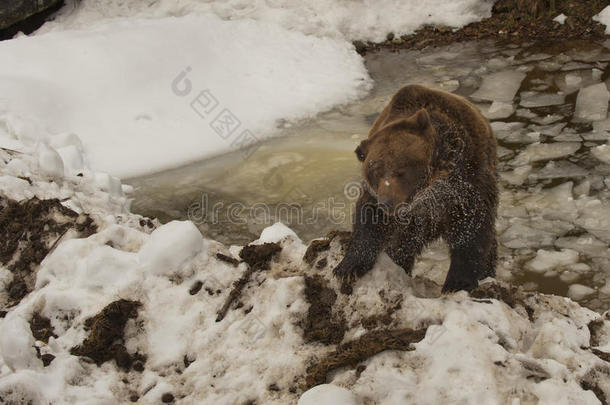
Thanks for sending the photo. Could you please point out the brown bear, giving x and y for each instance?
(429, 166)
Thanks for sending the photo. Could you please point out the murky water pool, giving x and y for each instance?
(548, 104)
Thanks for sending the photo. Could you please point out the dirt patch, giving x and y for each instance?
(258, 258)
(375, 321)
(105, 340)
(511, 20)
(509, 294)
(41, 328)
(196, 287)
(322, 245)
(227, 259)
(602, 355)
(315, 247)
(595, 330)
(320, 325)
(368, 345)
(29, 230)
(591, 382)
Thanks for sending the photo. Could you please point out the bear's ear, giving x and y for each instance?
(422, 119)
(362, 150)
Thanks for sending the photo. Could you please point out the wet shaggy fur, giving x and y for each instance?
(429, 168)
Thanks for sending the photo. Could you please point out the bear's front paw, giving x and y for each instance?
(455, 284)
(350, 268)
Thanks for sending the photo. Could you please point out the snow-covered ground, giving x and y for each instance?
(523, 348)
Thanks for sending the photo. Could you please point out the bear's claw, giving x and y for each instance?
(349, 269)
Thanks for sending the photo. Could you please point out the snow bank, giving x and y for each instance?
(528, 348)
(604, 18)
(347, 19)
(145, 95)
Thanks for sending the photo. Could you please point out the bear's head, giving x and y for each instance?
(396, 160)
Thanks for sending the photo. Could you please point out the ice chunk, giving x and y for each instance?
(592, 103)
(576, 79)
(170, 246)
(546, 260)
(572, 80)
(603, 125)
(328, 394)
(500, 86)
(17, 344)
(504, 153)
(538, 152)
(50, 163)
(550, 130)
(514, 133)
(553, 203)
(519, 235)
(109, 184)
(547, 119)
(595, 218)
(561, 18)
(72, 158)
(602, 153)
(596, 136)
(517, 176)
(578, 291)
(575, 66)
(498, 109)
(586, 244)
(559, 169)
(532, 99)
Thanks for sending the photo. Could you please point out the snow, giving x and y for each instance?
(328, 394)
(275, 233)
(170, 246)
(345, 19)
(604, 18)
(499, 86)
(17, 344)
(127, 100)
(592, 103)
(561, 18)
(50, 162)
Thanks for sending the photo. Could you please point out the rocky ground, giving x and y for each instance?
(511, 20)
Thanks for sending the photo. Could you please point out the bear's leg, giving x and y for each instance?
(367, 239)
(401, 257)
(471, 260)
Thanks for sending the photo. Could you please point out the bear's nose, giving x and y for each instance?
(386, 205)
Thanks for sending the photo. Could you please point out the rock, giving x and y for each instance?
(15, 11)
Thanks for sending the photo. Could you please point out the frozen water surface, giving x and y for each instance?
(554, 216)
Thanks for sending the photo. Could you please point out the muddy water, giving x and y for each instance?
(305, 177)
